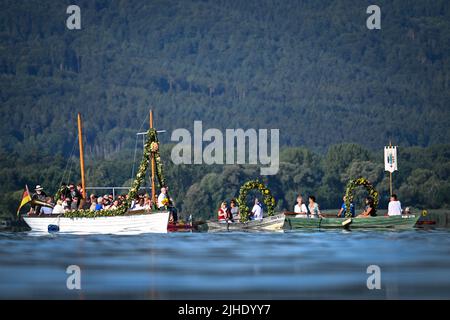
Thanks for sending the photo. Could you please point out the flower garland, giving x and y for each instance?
(352, 184)
(151, 149)
(268, 199)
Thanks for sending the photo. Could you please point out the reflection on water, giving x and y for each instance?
(292, 265)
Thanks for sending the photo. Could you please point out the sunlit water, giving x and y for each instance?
(294, 265)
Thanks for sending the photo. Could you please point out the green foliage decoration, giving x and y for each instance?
(268, 199)
(151, 149)
(352, 185)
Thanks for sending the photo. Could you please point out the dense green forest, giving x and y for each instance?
(309, 68)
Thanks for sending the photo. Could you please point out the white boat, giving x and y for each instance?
(131, 223)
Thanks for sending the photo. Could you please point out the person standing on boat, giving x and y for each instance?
(343, 211)
(75, 196)
(165, 203)
(74, 204)
(314, 208)
(369, 211)
(173, 210)
(161, 198)
(80, 189)
(300, 208)
(394, 207)
(81, 199)
(64, 192)
(39, 195)
(257, 211)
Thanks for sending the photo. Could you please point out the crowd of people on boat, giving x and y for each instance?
(311, 209)
(232, 213)
(70, 198)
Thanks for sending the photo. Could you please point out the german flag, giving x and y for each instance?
(25, 199)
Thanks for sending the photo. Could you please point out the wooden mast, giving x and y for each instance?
(152, 159)
(80, 143)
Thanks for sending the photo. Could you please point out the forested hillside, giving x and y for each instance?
(310, 68)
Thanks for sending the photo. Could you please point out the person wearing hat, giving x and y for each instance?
(39, 195)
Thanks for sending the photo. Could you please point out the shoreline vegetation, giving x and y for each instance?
(423, 179)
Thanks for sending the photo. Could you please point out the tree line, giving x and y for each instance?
(421, 182)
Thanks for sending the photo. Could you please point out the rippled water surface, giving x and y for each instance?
(293, 265)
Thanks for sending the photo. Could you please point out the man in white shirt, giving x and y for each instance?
(395, 207)
(257, 211)
(161, 197)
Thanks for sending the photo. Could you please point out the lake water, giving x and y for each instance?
(292, 265)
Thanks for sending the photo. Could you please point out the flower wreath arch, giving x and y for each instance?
(268, 199)
(352, 185)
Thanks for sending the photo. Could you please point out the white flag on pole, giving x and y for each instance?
(390, 159)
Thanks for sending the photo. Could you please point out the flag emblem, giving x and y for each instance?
(390, 159)
(25, 199)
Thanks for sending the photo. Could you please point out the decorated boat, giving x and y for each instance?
(121, 220)
(301, 221)
(270, 223)
(129, 223)
(394, 222)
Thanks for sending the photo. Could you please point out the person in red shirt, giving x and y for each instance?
(223, 213)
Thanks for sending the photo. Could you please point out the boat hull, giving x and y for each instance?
(126, 224)
(272, 223)
(396, 222)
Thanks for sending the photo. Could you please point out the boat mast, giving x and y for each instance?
(390, 174)
(80, 143)
(152, 160)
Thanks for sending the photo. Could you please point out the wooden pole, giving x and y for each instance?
(390, 183)
(390, 174)
(80, 143)
(152, 159)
